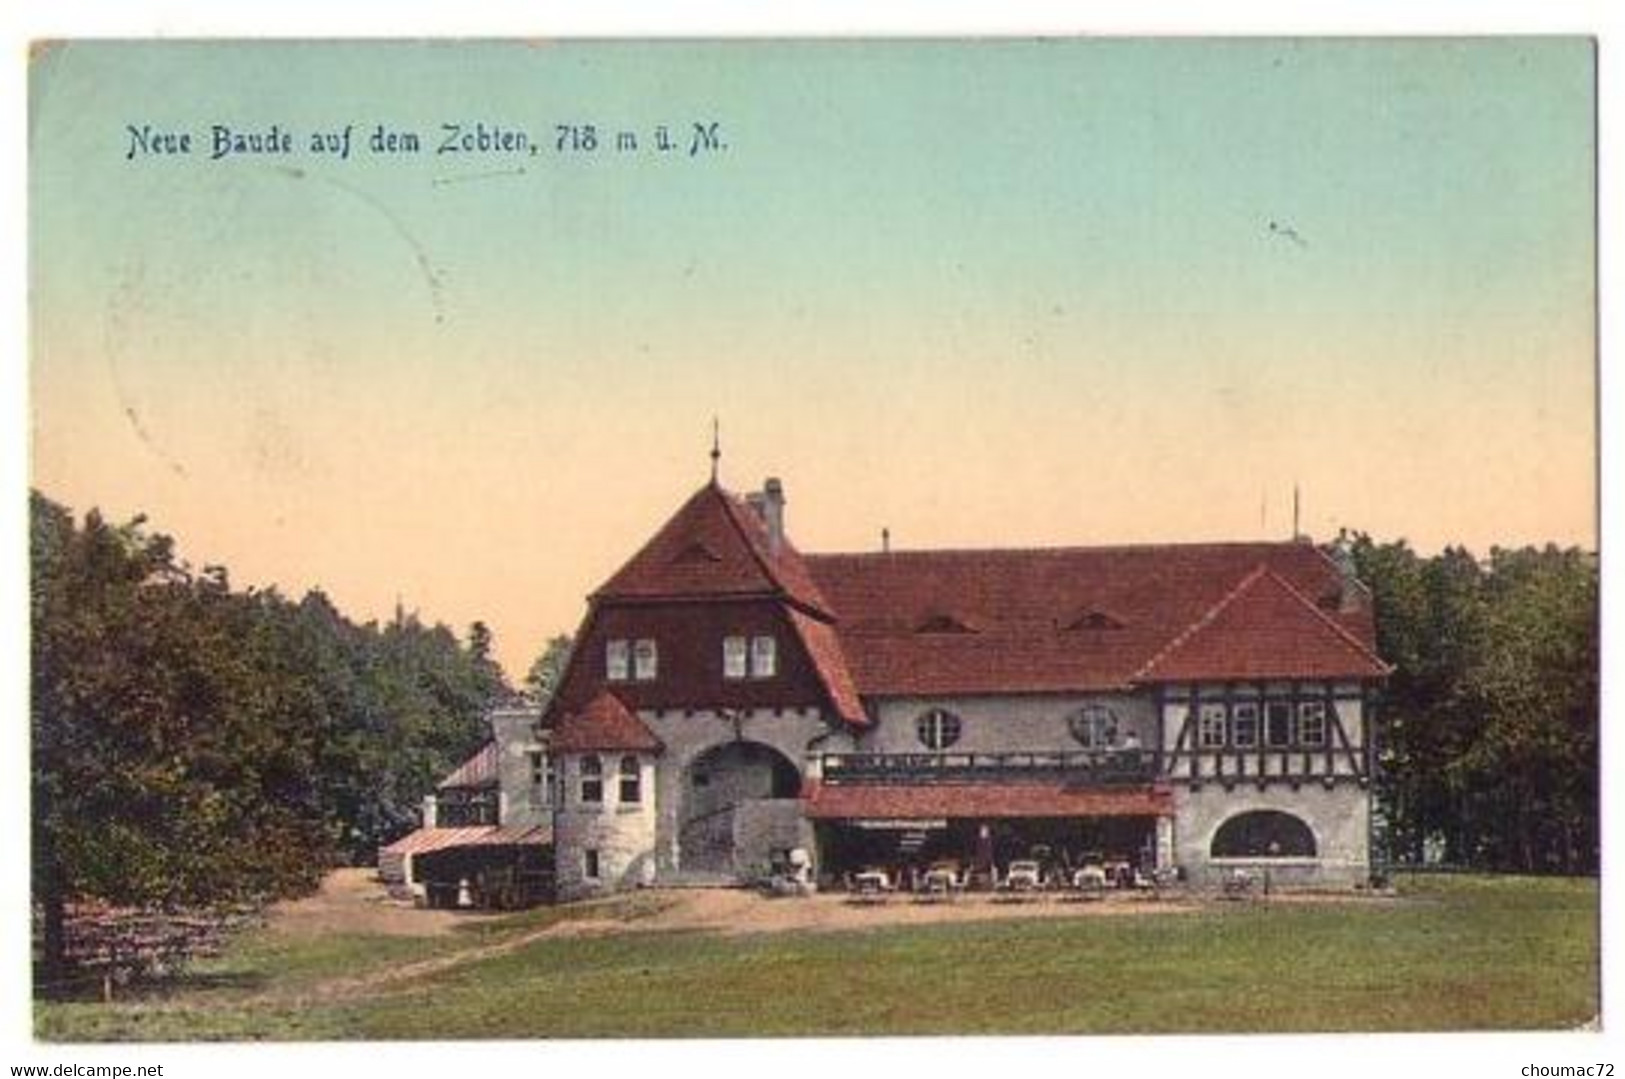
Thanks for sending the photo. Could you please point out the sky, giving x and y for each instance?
(987, 293)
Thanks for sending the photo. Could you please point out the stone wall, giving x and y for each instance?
(687, 734)
(764, 826)
(522, 800)
(1338, 817)
(623, 835)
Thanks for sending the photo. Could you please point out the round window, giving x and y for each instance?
(937, 729)
(1094, 726)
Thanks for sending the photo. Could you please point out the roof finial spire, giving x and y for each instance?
(716, 448)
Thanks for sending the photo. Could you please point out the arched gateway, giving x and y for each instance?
(731, 794)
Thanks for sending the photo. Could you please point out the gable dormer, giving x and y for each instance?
(1093, 618)
(944, 622)
(695, 552)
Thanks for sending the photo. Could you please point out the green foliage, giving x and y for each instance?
(195, 745)
(1491, 713)
(542, 680)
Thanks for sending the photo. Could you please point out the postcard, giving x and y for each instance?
(692, 539)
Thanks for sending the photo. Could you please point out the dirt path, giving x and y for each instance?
(351, 901)
(735, 911)
(354, 901)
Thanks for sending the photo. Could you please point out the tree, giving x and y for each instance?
(196, 745)
(1490, 743)
(170, 743)
(545, 674)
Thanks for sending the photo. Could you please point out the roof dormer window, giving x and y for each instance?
(1095, 618)
(943, 622)
(696, 552)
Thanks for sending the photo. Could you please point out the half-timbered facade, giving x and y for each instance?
(730, 699)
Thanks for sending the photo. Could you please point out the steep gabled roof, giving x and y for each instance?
(1264, 628)
(1027, 603)
(823, 645)
(603, 723)
(480, 770)
(715, 546)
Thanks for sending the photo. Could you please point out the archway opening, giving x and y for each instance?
(1264, 833)
(722, 785)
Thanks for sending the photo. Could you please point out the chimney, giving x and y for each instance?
(773, 512)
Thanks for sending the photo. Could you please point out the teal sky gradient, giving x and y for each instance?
(984, 293)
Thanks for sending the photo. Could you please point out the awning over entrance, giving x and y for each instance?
(982, 801)
(427, 839)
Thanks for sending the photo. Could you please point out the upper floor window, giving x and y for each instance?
(645, 660)
(538, 771)
(1278, 723)
(735, 657)
(1244, 724)
(617, 660)
(1286, 717)
(764, 657)
(937, 729)
(1312, 723)
(631, 781)
(1094, 726)
(592, 779)
(1211, 724)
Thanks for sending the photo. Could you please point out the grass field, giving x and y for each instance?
(1461, 953)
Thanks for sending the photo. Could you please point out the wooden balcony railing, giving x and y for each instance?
(1089, 767)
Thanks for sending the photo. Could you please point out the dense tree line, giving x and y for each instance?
(195, 744)
(1490, 717)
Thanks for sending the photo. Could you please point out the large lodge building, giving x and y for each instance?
(730, 699)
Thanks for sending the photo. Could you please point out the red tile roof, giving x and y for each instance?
(866, 801)
(485, 835)
(1026, 615)
(823, 646)
(931, 623)
(715, 545)
(1264, 628)
(480, 770)
(603, 724)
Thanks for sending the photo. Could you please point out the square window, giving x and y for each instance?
(764, 657)
(734, 657)
(589, 863)
(645, 660)
(616, 660)
(1211, 725)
